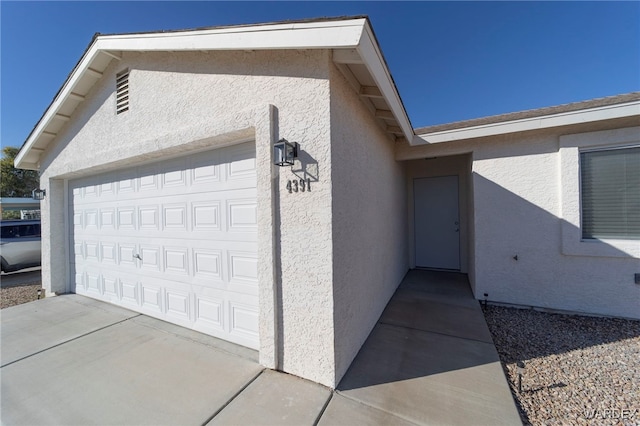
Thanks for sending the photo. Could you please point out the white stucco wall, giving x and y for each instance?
(519, 182)
(369, 221)
(182, 102)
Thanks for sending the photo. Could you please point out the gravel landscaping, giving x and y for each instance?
(578, 370)
(23, 293)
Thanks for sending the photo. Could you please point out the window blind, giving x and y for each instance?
(610, 194)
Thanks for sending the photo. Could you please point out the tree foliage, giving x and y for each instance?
(16, 182)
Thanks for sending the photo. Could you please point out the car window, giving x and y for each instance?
(8, 231)
(20, 231)
(27, 231)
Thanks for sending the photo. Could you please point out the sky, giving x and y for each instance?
(451, 61)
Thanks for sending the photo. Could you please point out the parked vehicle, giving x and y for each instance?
(19, 244)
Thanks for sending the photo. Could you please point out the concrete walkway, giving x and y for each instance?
(73, 360)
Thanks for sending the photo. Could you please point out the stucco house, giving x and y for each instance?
(157, 157)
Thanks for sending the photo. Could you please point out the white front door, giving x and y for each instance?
(176, 240)
(437, 222)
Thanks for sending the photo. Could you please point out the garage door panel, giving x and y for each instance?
(78, 285)
(243, 267)
(209, 314)
(125, 183)
(174, 216)
(150, 258)
(204, 174)
(230, 318)
(94, 282)
(126, 253)
(90, 220)
(241, 162)
(125, 219)
(107, 190)
(206, 211)
(91, 251)
(151, 298)
(206, 216)
(107, 219)
(111, 287)
(243, 321)
(176, 260)
(204, 260)
(242, 215)
(108, 252)
(129, 293)
(77, 251)
(176, 240)
(77, 220)
(178, 305)
(207, 263)
(149, 217)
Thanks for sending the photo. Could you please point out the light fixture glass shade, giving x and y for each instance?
(284, 153)
(38, 194)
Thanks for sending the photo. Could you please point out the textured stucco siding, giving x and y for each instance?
(369, 221)
(517, 184)
(187, 101)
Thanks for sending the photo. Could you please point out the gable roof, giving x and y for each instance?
(355, 52)
(610, 107)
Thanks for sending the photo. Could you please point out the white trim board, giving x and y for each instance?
(608, 112)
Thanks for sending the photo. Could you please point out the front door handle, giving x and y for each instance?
(137, 256)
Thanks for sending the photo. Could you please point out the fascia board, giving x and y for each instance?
(26, 166)
(67, 88)
(373, 60)
(534, 123)
(317, 35)
(293, 36)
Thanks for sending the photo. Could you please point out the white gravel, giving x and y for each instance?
(578, 370)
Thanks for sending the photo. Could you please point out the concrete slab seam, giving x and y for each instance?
(357, 401)
(67, 341)
(232, 398)
(324, 407)
(446, 301)
(436, 332)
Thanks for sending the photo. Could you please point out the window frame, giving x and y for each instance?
(570, 148)
(590, 150)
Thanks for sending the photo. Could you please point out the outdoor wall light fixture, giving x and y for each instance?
(284, 152)
(38, 194)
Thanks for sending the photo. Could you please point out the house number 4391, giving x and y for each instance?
(301, 185)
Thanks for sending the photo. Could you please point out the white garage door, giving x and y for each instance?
(176, 240)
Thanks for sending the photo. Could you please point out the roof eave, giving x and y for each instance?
(373, 59)
(332, 34)
(622, 110)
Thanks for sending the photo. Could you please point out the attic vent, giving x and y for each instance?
(122, 92)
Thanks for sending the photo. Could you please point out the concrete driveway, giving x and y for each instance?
(76, 361)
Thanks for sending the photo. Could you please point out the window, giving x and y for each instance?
(610, 194)
(20, 231)
(122, 91)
